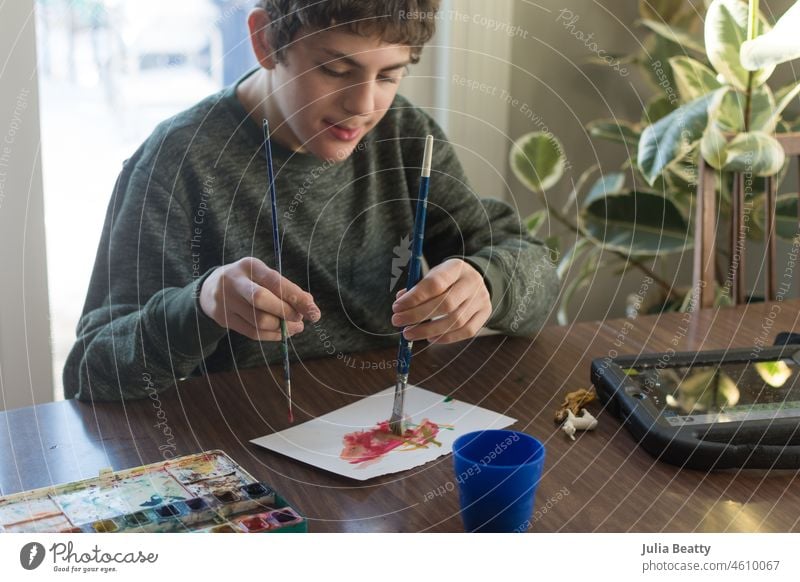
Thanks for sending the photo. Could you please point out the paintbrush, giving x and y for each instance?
(276, 243)
(414, 272)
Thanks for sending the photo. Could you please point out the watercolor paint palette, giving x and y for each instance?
(206, 492)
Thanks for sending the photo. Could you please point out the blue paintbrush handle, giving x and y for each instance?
(414, 268)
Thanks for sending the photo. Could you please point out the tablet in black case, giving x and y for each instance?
(709, 410)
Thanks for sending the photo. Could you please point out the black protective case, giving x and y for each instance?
(755, 444)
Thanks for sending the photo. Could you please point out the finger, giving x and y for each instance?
(435, 283)
(448, 302)
(466, 332)
(299, 300)
(437, 327)
(243, 327)
(264, 300)
(264, 321)
(453, 322)
(400, 293)
(261, 320)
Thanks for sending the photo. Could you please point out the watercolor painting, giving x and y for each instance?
(364, 446)
(355, 441)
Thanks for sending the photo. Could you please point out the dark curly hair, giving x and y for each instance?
(407, 22)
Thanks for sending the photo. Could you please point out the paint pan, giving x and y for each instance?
(259, 491)
(199, 510)
(261, 496)
(170, 511)
(254, 524)
(196, 504)
(138, 519)
(226, 496)
(284, 517)
(105, 526)
(233, 501)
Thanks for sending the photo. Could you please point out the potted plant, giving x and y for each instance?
(709, 104)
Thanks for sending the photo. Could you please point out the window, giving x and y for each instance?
(109, 71)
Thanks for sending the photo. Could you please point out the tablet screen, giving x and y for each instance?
(726, 392)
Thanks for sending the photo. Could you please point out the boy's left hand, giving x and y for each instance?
(455, 292)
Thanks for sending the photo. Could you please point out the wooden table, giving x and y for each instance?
(601, 482)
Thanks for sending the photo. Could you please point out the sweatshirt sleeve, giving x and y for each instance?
(488, 234)
(141, 328)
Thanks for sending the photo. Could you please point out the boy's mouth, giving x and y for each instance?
(343, 133)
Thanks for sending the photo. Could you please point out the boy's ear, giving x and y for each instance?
(257, 22)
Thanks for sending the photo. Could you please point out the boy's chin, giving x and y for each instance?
(334, 153)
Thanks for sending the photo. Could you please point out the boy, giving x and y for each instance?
(182, 282)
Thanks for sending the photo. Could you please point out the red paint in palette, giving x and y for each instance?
(369, 445)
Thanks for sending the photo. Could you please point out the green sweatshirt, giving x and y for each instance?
(194, 197)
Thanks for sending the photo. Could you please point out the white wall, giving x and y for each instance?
(467, 48)
(25, 361)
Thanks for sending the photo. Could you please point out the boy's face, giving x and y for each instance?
(332, 88)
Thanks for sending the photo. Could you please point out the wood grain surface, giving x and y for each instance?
(601, 482)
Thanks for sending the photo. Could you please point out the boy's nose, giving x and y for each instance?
(359, 99)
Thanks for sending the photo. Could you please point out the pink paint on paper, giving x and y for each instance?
(371, 445)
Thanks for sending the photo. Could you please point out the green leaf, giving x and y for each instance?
(793, 125)
(706, 390)
(693, 78)
(607, 185)
(755, 152)
(572, 255)
(576, 188)
(725, 31)
(787, 225)
(534, 222)
(674, 34)
(714, 147)
(636, 223)
(659, 10)
(785, 96)
(537, 160)
(553, 245)
(657, 108)
(777, 46)
(681, 178)
(668, 138)
(762, 108)
(617, 131)
(589, 268)
(727, 109)
(774, 373)
(654, 60)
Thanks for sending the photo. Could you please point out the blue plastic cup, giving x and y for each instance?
(497, 472)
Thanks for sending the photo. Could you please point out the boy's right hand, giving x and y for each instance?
(250, 298)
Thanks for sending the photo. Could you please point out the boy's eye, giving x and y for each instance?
(332, 72)
(341, 74)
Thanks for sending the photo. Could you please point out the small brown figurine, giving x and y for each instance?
(575, 401)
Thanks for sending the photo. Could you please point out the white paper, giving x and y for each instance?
(320, 442)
